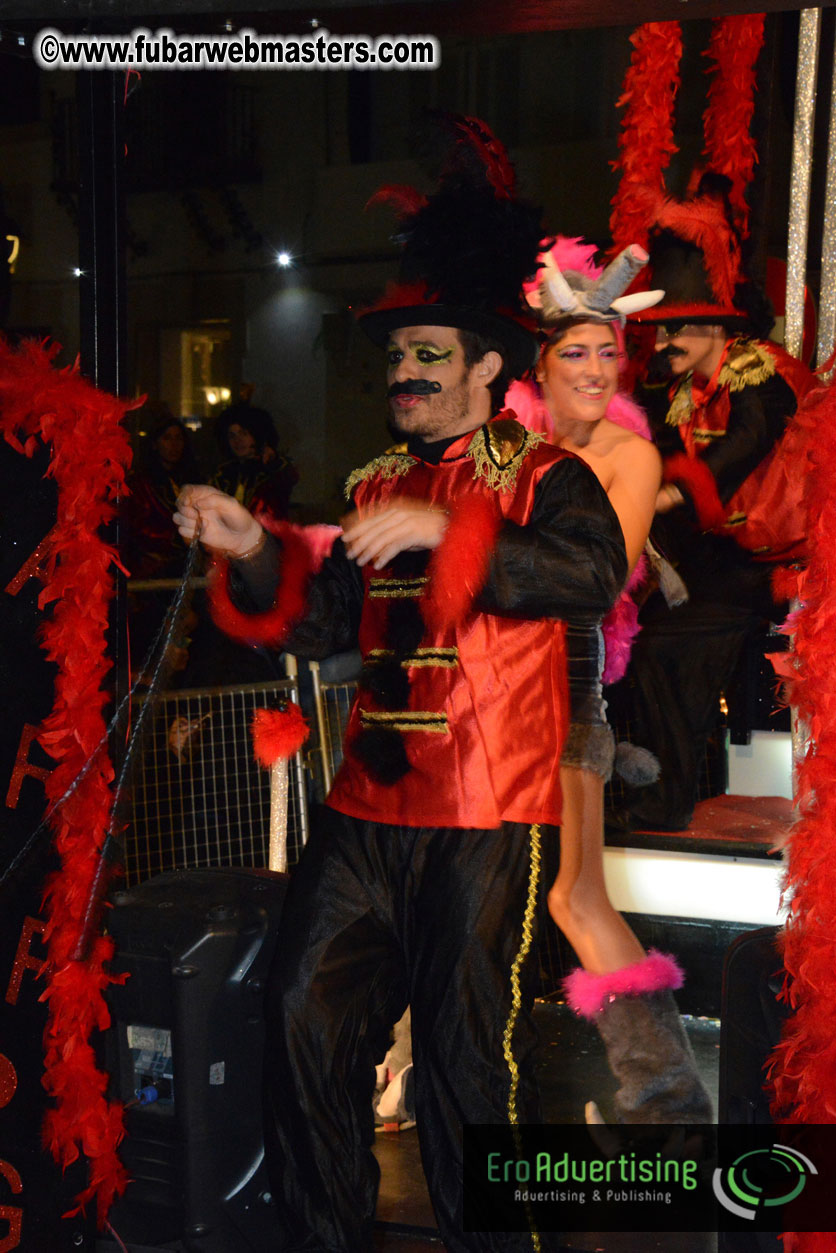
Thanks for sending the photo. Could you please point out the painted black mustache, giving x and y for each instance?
(414, 387)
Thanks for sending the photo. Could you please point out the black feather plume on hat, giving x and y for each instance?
(467, 249)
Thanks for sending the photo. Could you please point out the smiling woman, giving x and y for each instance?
(625, 991)
(579, 374)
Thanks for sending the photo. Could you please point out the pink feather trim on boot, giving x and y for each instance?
(587, 993)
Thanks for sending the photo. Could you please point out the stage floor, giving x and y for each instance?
(572, 1068)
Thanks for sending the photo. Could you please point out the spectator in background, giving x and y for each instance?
(148, 548)
(165, 463)
(252, 469)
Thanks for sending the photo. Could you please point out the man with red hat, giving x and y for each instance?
(729, 507)
(467, 542)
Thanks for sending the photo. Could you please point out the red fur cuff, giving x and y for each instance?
(459, 566)
(695, 477)
(272, 626)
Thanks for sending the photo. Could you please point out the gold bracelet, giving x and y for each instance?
(251, 552)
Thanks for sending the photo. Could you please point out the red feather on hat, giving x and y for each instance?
(498, 169)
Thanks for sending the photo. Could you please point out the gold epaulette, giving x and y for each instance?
(396, 460)
(747, 364)
(682, 405)
(498, 450)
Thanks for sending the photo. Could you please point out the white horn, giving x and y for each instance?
(637, 301)
(617, 277)
(559, 290)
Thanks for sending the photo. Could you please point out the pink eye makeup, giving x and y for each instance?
(580, 353)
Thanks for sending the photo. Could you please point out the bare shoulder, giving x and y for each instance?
(626, 451)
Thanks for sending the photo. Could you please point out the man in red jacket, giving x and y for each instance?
(466, 543)
(730, 505)
(420, 883)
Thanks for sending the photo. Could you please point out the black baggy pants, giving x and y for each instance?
(682, 660)
(378, 917)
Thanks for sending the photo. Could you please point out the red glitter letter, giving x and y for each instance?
(23, 766)
(32, 568)
(10, 1213)
(24, 959)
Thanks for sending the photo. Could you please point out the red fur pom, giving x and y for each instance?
(698, 481)
(278, 733)
(459, 566)
(270, 627)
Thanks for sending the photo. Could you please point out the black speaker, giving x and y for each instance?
(185, 1055)
(751, 1018)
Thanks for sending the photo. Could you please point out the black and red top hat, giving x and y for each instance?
(466, 250)
(696, 258)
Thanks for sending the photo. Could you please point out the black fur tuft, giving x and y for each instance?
(383, 753)
(387, 682)
(404, 626)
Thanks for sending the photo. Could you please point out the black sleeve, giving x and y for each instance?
(334, 599)
(757, 420)
(568, 561)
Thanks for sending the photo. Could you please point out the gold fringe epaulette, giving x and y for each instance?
(747, 364)
(498, 450)
(682, 405)
(396, 460)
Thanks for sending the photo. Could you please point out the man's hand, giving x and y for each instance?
(668, 498)
(221, 522)
(382, 533)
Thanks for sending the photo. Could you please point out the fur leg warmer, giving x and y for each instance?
(647, 1048)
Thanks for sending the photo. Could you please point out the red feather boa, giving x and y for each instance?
(646, 142)
(729, 148)
(89, 459)
(698, 481)
(459, 566)
(803, 1067)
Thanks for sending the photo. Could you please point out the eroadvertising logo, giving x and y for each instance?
(649, 1178)
(762, 1179)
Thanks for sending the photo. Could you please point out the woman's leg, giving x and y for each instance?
(625, 992)
(578, 900)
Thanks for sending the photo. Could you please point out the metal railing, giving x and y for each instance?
(332, 705)
(198, 797)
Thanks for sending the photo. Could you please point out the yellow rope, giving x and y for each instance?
(516, 997)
